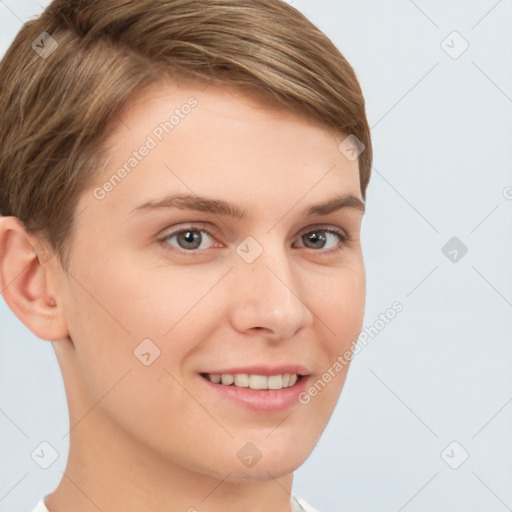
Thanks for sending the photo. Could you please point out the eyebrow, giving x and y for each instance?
(220, 207)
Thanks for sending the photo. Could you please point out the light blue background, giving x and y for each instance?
(441, 370)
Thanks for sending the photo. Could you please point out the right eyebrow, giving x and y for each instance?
(200, 204)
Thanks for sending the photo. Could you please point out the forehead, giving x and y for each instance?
(210, 140)
(159, 101)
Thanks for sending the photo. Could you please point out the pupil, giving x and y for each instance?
(191, 238)
(316, 239)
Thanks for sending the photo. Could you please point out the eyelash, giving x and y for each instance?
(344, 239)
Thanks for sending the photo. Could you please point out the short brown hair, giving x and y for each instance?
(57, 108)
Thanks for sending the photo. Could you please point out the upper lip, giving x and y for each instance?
(263, 370)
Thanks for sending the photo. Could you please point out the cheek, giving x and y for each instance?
(131, 302)
(122, 315)
(127, 365)
(340, 307)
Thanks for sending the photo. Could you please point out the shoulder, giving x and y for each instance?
(40, 507)
(298, 505)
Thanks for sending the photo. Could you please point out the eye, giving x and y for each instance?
(324, 238)
(194, 239)
(188, 239)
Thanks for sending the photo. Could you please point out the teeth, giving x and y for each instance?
(276, 382)
(258, 382)
(243, 380)
(227, 380)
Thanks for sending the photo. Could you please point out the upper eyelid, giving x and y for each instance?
(166, 233)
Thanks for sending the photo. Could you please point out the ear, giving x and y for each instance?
(26, 281)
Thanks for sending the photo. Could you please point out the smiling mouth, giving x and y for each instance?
(254, 381)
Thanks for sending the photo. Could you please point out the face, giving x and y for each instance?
(227, 249)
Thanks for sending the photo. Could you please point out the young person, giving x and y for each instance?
(182, 184)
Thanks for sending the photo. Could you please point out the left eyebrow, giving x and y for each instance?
(335, 204)
(220, 207)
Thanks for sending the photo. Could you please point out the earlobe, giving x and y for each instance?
(26, 281)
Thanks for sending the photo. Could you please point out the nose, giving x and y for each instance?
(266, 297)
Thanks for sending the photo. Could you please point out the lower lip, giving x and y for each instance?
(261, 400)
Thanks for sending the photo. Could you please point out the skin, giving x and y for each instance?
(154, 437)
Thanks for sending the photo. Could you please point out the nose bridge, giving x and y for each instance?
(268, 294)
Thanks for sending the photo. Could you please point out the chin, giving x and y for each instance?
(269, 466)
(263, 471)
(274, 463)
